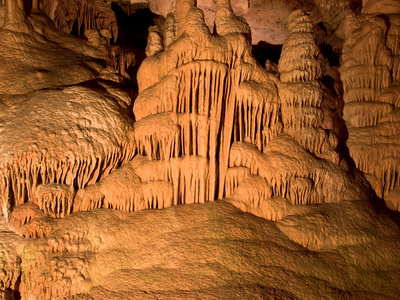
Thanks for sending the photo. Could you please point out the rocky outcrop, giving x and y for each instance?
(64, 123)
(206, 99)
(370, 75)
(301, 90)
(197, 94)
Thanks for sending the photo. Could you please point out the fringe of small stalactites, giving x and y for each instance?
(301, 181)
(376, 160)
(149, 184)
(124, 190)
(89, 14)
(19, 180)
(188, 175)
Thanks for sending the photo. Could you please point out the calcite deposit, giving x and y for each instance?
(370, 74)
(216, 177)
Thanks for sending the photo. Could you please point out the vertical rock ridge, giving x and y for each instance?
(301, 91)
(370, 75)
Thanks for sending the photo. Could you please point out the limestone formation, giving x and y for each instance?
(370, 78)
(201, 91)
(218, 178)
(67, 136)
(301, 90)
(84, 14)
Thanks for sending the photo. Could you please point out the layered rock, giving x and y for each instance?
(370, 75)
(198, 94)
(206, 99)
(301, 90)
(64, 123)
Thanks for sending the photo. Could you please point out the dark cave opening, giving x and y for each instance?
(133, 24)
(264, 51)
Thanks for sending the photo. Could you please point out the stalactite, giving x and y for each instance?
(234, 177)
(188, 175)
(375, 77)
(360, 114)
(280, 170)
(124, 190)
(256, 108)
(55, 199)
(123, 59)
(88, 14)
(160, 98)
(158, 136)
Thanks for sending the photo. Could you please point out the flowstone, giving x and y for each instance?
(92, 179)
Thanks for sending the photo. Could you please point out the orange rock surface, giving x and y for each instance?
(218, 178)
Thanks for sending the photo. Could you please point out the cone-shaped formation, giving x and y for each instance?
(205, 92)
(182, 10)
(381, 7)
(15, 11)
(370, 72)
(301, 91)
(297, 179)
(169, 30)
(226, 22)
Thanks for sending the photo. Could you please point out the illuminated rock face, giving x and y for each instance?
(204, 99)
(197, 95)
(62, 127)
(370, 75)
(92, 182)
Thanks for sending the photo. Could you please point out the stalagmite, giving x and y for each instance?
(226, 22)
(255, 195)
(154, 41)
(182, 9)
(301, 91)
(211, 89)
(281, 171)
(169, 35)
(14, 13)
